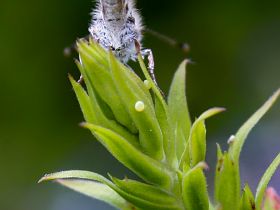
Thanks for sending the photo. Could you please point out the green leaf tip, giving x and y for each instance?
(247, 201)
(265, 180)
(195, 150)
(43, 179)
(245, 129)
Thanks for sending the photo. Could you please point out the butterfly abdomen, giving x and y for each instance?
(116, 25)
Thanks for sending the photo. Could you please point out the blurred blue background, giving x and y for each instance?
(235, 46)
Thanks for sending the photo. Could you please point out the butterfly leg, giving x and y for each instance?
(151, 62)
(81, 79)
(151, 66)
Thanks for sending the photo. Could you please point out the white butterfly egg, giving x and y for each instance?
(148, 84)
(139, 106)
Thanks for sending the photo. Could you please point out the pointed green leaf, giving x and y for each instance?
(145, 167)
(196, 151)
(194, 190)
(178, 108)
(95, 99)
(243, 132)
(219, 165)
(90, 184)
(147, 192)
(181, 142)
(150, 135)
(247, 201)
(265, 180)
(167, 132)
(227, 183)
(96, 190)
(76, 174)
(84, 101)
(198, 143)
(90, 176)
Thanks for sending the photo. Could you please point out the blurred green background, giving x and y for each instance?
(235, 46)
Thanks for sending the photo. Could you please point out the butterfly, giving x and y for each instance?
(117, 26)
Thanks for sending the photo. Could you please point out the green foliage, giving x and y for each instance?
(158, 142)
(247, 201)
(177, 101)
(227, 182)
(265, 179)
(194, 189)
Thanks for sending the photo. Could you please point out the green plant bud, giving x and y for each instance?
(101, 79)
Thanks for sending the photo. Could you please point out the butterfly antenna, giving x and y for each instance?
(172, 42)
(68, 51)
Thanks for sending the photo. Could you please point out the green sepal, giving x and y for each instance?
(163, 117)
(227, 182)
(97, 70)
(247, 201)
(194, 189)
(86, 106)
(93, 95)
(195, 151)
(178, 108)
(167, 133)
(93, 113)
(146, 192)
(90, 184)
(265, 180)
(150, 135)
(245, 129)
(144, 166)
(219, 165)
